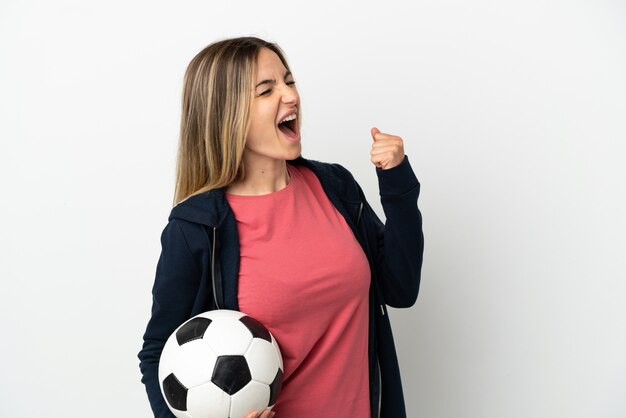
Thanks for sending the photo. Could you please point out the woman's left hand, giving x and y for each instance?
(267, 413)
(387, 150)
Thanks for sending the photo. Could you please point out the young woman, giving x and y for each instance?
(291, 241)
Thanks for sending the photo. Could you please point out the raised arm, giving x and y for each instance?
(400, 240)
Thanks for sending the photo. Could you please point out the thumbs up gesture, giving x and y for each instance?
(387, 150)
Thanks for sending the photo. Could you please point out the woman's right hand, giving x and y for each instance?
(265, 414)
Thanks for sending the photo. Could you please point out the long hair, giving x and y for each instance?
(215, 116)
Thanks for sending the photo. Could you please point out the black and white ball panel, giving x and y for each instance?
(254, 390)
(175, 392)
(231, 373)
(256, 328)
(183, 362)
(277, 351)
(207, 400)
(275, 387)
(238, 341)
(192, 330)
(262, 369)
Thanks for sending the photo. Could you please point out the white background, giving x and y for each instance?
(512, 113)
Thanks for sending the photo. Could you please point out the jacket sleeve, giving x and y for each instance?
(173, 293)
(400, 241)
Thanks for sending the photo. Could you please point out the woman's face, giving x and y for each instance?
(275, 96)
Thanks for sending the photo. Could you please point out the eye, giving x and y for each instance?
(268, 91)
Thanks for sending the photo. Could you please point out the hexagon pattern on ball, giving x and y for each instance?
(254, 397)
(200, 372)
(238, 337)
(262, 361)
(207, 400)
(220, 364)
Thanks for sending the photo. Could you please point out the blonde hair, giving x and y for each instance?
(215, 117)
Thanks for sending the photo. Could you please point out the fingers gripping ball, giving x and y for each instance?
(220, 364)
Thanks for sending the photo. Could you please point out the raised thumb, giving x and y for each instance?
(374, 131)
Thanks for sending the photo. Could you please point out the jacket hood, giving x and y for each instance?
(210, 208)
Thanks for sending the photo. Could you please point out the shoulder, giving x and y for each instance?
(184, 235)
(333, 176)
(208, 208)
(333, 168)
(324, 170)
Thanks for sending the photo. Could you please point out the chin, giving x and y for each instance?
(295, 153)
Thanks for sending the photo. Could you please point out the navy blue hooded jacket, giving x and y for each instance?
(198, 268)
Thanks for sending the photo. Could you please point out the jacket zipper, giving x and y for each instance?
(213, 269)
(358, 219)
(382, 310)
(380, 386)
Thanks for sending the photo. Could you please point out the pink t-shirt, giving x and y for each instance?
(304, 276)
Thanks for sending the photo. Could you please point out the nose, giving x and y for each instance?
(289, 94)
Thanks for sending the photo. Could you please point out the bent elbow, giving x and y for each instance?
(407, 296)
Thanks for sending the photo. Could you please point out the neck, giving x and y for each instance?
(262, 177)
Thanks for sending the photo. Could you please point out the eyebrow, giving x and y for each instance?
(273, 80)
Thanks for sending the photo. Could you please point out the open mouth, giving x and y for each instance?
(289, 127)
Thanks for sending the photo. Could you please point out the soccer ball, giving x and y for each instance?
(220, 364)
